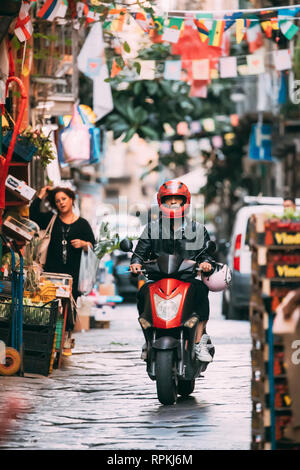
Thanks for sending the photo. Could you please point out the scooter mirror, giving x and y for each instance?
(126, 245)
(210, 247)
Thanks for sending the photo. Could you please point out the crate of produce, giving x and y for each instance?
(62, 282)
(32, 340)
(37, 362)
(39, 314)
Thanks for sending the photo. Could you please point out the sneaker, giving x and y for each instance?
(202, 350)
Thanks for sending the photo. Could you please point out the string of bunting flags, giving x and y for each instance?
(223, 67)
(211, 26)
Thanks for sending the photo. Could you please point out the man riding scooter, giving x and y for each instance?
(174, 233)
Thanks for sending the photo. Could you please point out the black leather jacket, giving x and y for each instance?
(159, 238)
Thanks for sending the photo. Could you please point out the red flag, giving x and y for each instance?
(191, 47)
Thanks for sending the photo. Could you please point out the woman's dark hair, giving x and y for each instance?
(52, 193)
(290, 198)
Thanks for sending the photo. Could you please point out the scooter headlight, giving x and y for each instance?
(167, 308)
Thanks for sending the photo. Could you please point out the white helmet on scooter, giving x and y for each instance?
(219, 280)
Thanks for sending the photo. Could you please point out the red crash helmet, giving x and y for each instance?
(173, 188)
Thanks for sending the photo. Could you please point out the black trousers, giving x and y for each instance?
(197, 290)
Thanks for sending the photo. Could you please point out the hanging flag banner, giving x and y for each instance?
(228, 67)
(200, 69)
(282, 59)
(260, 147)
(118, 19)
(216, 33)
(204, 24)
(230, 19)
(93, 66)
(241, 28)
(172, 32)
(172, 70)
(142, 20)
(254, 37)
(23, 27)
(147, 69)
(255, 64)
(115, 69)
(217, 141)
(288, 29)
(49, 10)
(286, 26)
(159, 24)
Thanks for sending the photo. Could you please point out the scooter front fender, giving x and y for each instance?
(167, 342)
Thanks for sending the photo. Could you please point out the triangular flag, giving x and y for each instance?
(204, 22)
(230, 19)
(115, 69)
(216, 33)
(202, 29)
(241, 29)
(254, 37)
(159, 24)
(142, 20)
(49, 10)
(288, 29)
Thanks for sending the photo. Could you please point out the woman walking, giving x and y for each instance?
(70, 234)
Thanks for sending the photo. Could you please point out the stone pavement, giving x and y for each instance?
(102, 397)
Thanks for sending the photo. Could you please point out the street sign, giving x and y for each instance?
(260, 146)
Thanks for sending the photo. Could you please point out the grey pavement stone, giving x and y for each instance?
(102, 397)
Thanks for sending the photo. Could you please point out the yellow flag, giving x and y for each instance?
(240, 30)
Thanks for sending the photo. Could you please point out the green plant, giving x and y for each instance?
(107, 242)
(43, 144)
(145, 106)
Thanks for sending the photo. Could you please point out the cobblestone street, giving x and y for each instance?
(102, 397)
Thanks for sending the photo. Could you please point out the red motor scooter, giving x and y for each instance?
(169, 324)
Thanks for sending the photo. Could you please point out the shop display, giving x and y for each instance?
(19, 188)
(275, 247)
(62, 282)
(19, 228)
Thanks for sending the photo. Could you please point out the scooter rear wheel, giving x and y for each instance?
(166, 384)
(186, 387)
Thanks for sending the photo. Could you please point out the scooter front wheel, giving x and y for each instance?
(166, 383)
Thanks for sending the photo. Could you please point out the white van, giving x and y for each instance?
(236, 298)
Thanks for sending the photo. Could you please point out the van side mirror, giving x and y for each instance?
(126, 245)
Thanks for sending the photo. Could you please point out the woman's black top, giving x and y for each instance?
(80, 229)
